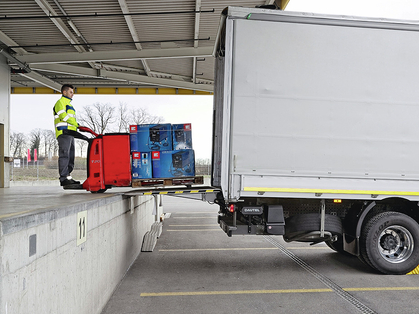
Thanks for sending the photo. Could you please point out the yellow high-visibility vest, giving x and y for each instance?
(64, 116)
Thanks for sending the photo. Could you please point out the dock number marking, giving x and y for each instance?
(81, 227)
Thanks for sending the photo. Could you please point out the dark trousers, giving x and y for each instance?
(66, 153)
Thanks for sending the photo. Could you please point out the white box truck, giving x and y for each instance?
(316, 132)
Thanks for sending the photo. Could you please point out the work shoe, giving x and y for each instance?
(69, 181)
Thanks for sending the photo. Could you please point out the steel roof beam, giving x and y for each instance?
(39, 78)
(116, 55)
(196, 36)
(48, 9)
(133, 31)
(32, 75)
(10, 42)
(128, 77)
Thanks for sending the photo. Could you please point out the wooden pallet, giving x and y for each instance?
(167, 181)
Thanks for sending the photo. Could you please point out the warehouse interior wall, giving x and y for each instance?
(4, 122)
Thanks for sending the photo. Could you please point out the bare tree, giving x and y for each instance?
(17, 143)
(142, 116)
(35, 140)
(81, 144)
(98, 117)
(203, 166)
(51, 144)
(122, 120)
(46, 137)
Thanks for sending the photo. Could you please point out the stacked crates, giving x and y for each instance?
(162, 151)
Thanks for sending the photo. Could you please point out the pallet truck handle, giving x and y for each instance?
(86, 129)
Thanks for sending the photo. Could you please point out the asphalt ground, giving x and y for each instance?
(196, 268)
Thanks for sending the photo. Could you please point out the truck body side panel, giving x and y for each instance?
(320, 109)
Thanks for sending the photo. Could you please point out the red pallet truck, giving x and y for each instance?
(108, 161)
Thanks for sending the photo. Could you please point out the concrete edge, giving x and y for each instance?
(19, 222)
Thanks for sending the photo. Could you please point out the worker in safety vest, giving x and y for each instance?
(65, 121)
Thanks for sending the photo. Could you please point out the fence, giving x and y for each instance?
(48, 170)
(44, 169)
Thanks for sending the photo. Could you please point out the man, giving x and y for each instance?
(65, 123)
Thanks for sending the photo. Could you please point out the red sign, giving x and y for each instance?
(35, 155)
(29, 155)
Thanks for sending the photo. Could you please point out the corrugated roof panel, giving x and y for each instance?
(173, 26)
(152, 29)
(99, 29)
(179, 66)
(30, 31)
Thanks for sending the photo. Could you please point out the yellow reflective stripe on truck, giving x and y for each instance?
(327, 191)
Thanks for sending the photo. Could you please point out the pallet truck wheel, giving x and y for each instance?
(99, 191)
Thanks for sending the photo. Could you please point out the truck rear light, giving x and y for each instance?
(231, 208)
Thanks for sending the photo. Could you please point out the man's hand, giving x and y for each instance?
(86, 129)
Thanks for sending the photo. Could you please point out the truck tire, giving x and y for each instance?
(302, 224)
(390, 243)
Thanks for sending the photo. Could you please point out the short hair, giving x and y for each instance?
(66, 87)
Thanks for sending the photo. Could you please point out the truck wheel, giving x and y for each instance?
(301, 224)
(390, 243)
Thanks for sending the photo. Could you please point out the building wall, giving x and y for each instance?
(4, 121)
(43, 270)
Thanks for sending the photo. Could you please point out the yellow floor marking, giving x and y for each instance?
(220, 249)
(193, 293)
(198, 293)
(242, 249)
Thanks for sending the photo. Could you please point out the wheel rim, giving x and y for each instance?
(395, 244)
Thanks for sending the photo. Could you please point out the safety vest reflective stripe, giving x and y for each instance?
(66, 118)
(61, 124)
(60, 112)
(68, 114)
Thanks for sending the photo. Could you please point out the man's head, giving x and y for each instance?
(67, 90)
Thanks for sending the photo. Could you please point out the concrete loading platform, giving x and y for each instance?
(66, 251)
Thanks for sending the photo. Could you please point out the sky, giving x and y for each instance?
(389, 9)
(197, 109)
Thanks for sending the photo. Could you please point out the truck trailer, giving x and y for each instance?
(316, 132)
(315, 135)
